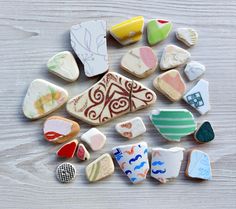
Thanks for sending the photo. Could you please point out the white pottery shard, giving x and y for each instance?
(198, 97)
(88, 39)
(194, 70)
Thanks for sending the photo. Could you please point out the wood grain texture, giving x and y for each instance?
(34, 30)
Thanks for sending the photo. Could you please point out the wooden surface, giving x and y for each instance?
(31, 31)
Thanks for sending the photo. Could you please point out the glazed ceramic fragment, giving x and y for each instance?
(131, 128)
(94, 138)
(198, 97)
(166, 163)
(171, 84)
(173, 124)
(82, 152)
(158, 30)
(63, 64)
(188, 36)
(68, 150)
(199, 165)
(101, 168)
(128, 31)
(42, 98)
(194, 70)
(133, 160)
(88, 39)
(57, 129)
(140, 61)
(204, 133)
(173, 56)
(114, 95)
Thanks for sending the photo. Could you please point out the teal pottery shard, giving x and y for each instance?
(199, 165)
(173, 124)
(204, 133)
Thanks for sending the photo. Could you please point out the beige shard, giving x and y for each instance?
(100, 168)
(173, 56)
(140, 61)
(110, 98)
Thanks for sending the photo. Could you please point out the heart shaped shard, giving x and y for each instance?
(42, 98)
(133, 160)
(140, 61)
(166, 163)
(171, 84)
(199, 165)
(114, 95)
(204, 133)
(88, 39)
(173, 56)
(63, 64)
(128, 31)
(68, 150)
(57, 129)
(173, 124)
(100, 168)
(158, 30)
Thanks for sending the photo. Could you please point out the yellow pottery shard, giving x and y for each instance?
(128, 31)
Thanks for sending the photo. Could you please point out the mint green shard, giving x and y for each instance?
(174, 124)
(158, 30)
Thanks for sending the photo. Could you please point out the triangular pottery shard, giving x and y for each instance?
(42, 98)
(110, 98)
(88, 39)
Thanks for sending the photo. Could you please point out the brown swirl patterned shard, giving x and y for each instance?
(110, 98)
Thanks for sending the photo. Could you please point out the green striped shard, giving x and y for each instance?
(173, 124)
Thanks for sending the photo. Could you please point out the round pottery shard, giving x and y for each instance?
(42, 98)
(170, 84)
(57, 129)
(140, 61)
(65, 172)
